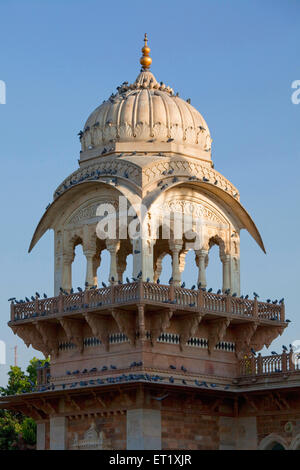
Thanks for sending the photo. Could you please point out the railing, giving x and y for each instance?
(147, 291)
(252, 366)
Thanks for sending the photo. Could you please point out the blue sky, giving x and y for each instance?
(236, 60)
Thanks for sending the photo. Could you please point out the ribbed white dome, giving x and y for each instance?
(145, 111)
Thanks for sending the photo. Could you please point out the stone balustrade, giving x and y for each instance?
(147, 292)
(252, 366)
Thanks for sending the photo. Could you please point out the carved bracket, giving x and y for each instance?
(48, 332)
(216, 332)
(30, 335)
(73, 329)
(188, 326)
(243, 338)
(264, 336)
(159, 323)
(99, 327)
(126, 322)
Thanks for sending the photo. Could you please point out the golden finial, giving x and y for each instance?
(146, 60)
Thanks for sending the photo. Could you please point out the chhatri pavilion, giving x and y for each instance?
(137, 364)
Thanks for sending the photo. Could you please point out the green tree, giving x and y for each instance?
(16, 430)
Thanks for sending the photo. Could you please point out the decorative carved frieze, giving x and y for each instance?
(264, 335)
(188, 327)
(31, 337)
(159, 323)
(48, 332)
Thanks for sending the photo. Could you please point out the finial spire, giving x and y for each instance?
(146, 60)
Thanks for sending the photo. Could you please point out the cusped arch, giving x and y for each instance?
(270, 441)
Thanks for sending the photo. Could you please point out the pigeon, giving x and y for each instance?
(275, 302)
(171, 280)
(288, 321)
(183, 285)
(273, 352)
(37, 294)
(136, 252)
(219, 292)
(45, 296)
(148, 279)
(79, 289)
(234, 294)
(284, 347)
(255, 295)
(281, 301)
(246, 297)
(172, 367)
(11, 299)
(127, 280)
(103, 284)
(139, 274)
(253, 352)
(192, 304)
(158, 281)
(171, 380)
(183, 368)
(205, 180)
(113, 367)
(193, 287)
(27, 300)
(183, 381)
(268, 301)
(210, 290)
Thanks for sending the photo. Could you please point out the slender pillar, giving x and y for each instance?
(201, 256)
(68, 259)
(226, 272)
(176, 246)
(143, 429)
(58, 433)
(113, 247)
(91, 268)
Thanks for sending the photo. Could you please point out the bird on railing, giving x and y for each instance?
(148, 279)
(183, 381)
(11, 299)
(112, 279)
(219, 291)
(281, 301)
(103, 284)
(199, 285)
(255, 295)
(246, 297)
(127, 280)
(172, 367)
(184, 369)
(104, 368)
(203, 289)
(234, 294)
(183, 285)
(32, 298)
(113, 367)
(192, 304)
(273, 353)
(86, 284)
(45, 296)
(253, 351)
(193, 287)
(227, 291)
(71, 290)
(158, 281)
(134, 279)
(27, 300)
(37, 295)
(275, 302)
(79, 289)
(210, 289)
(136, 252)
(119, 282)
(171, 279)
(139, 274)
(93, 287)
(284, 348)
(268, 301)
(288, 321)
(171, 379)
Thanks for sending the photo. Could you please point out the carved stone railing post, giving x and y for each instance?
(171, 292)
(60, 303)
(284, 361)
(86, 296)
(200, 299)
(36, 305)
(291, 362)
(282, 312)
(112, 293)
(259, 364)
(12, 311)
(140, 290)
(228, 304)
(255, 308)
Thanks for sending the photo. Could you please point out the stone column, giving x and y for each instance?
(68, 259)
(58, 433)
(226, 272)
(176, 246)
(113, 247)
(143, 429)
(91, 267)
(201, 255)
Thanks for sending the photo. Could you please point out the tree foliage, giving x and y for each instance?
(16, 430)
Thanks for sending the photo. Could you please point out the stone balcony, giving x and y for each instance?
(141, 312)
